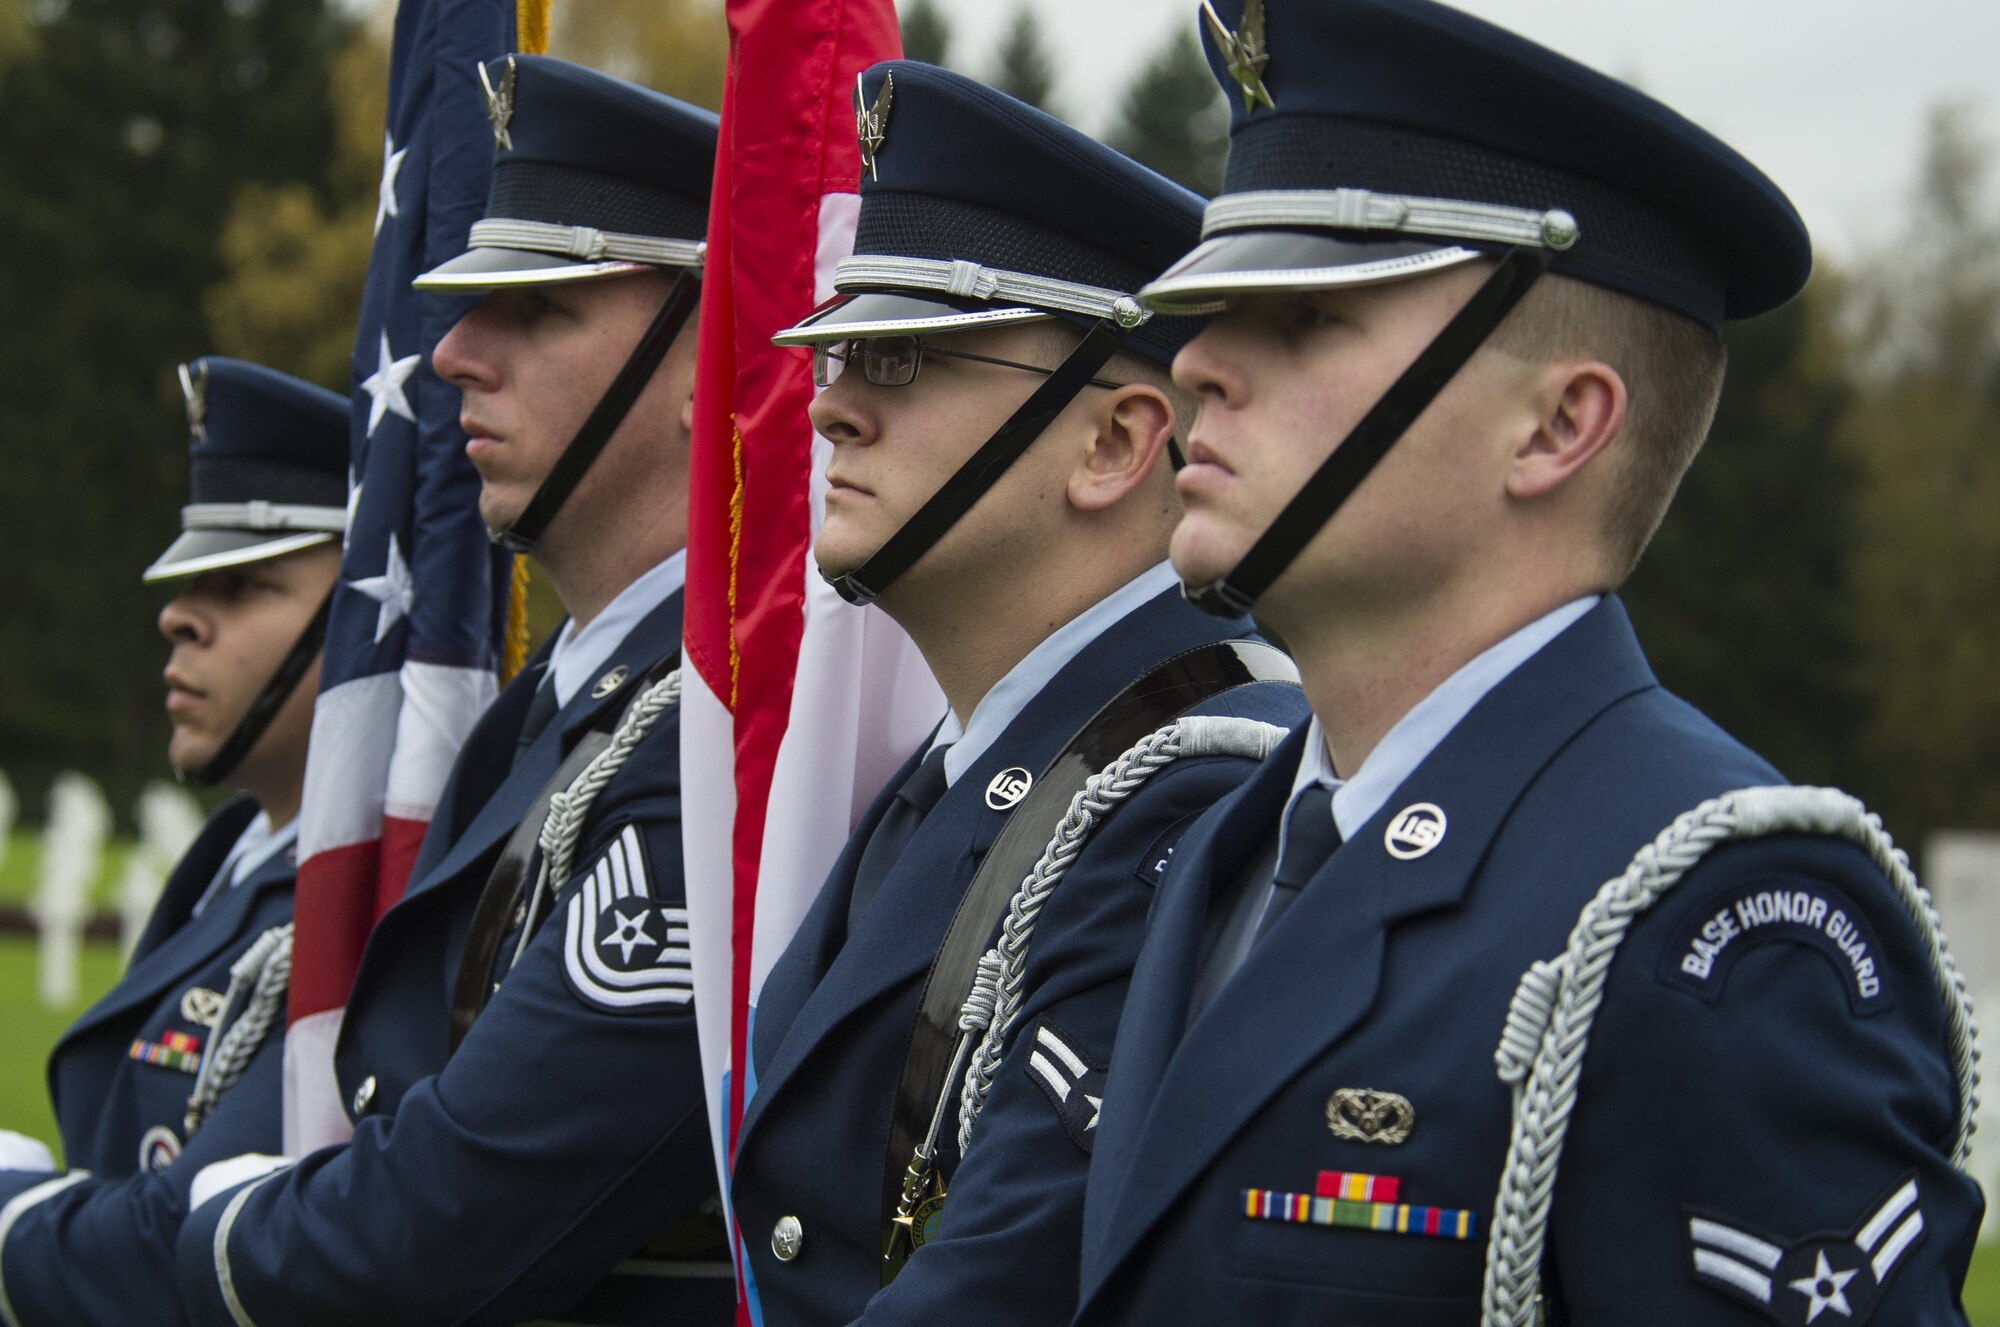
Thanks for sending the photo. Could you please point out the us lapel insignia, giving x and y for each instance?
(1008, 787)
(610, 682)
(1414, 831)
(499, 104)
(1244, 51)
(194, 391)
(871, 125)
(201, 1006)
(1821, 1278)
(1365, 1115)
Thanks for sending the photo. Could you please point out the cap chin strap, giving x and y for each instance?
(568, 471)
(1237, 592)
(268, 702)
(969, 483)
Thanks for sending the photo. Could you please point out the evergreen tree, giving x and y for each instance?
(1173, 118)
(124, 132)
(926, 31)
(1025, 67)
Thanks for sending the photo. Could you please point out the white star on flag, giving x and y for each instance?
(395, 589)
(392, 162)
(385, 386)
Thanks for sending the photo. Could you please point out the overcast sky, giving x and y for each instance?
(1828, 96)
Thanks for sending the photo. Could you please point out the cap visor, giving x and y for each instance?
(1248, 261)
(881, 313)
(199, 551)
(496, 269)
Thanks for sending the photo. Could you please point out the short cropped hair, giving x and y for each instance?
(1673, 369)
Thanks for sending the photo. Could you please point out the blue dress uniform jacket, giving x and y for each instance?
(1778, 1100)
(507, 1182)
(834, 1019)
(101, 1249)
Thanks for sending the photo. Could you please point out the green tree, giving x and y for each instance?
(1172, 116)
(926, 31)
(1024, 67)
(679, 47)
(124, 135)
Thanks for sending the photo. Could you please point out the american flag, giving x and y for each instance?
(796, 706)
(413, 640)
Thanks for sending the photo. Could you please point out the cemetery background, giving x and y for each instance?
(204, 177)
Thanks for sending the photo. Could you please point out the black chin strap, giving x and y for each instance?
(268, 702)
(1341, 473)
(969, 483)
(584, 448)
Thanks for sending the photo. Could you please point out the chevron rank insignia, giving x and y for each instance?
(1070, 1079)
(622, 950)
(1821, 1279)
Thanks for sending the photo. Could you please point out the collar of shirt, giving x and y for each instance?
(1410, 742)
(257, 844)
(579, 653)
(1024, 681)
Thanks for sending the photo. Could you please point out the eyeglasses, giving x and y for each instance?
(893, 361)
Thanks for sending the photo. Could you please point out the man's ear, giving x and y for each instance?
(1579, 408)
(1129, 442)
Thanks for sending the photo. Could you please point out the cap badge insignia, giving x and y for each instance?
(1364, 1115)
(499, 104)
(610, 682)
(871, 126)
(1245, 52)
(194, 390)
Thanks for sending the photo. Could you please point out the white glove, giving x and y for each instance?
(20, 1152)
(220, 1176)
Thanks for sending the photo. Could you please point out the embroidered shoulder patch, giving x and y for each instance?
(1070, 1079)
(1799, 911)
(1818, 1279)
(1152, 866)
(623, 951)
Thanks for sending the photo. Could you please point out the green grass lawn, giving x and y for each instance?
(23, 860)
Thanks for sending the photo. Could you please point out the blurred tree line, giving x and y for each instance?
(189, 176)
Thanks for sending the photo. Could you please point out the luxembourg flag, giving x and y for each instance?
(796, 706)
(413, 637)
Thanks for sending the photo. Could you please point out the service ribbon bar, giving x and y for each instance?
(1305, 1209)
(174, 1050)
(1357, 1187)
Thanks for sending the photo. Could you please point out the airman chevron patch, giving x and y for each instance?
(1072, 1081)
(622, 951)
(1821, 1278)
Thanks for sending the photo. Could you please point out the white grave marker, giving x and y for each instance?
(10, 810)
(1962, 871)
(72, 849)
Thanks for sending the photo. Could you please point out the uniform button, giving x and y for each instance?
(364, 1096)
(520, 915)
(786, 1237)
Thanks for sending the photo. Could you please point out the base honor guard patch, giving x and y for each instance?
(1360, 1202)
(1822, 1278)
(622, 950)
(1806, 913)
(1070, 1079)
(174, 1050)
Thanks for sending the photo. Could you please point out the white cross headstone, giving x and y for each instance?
(10, 810)
(169, 818)
(1962, 871)
(72, 848)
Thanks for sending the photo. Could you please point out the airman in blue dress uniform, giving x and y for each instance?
(178, 1065)
(1488, 284)
(519, 1054)
(1022, 547)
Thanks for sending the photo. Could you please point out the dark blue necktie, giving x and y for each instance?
(1310, 838)
(540, 710)
(919, 793)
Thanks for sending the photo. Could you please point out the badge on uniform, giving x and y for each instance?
(159, 1147)
(1070, 1079)
(174, 1050)
(1354, 1201)
(622, 950)
(1830, 1278)
(1808, 913)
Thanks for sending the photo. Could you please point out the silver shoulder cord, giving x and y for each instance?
(1548, 1023)
(563, 825)
(994, 1003)
(264, 971)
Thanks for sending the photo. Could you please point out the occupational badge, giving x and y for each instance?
(1364, 1115)
(1244, 52)
(203, 1007)
(1821, 1278)
(623, 951)
(871, 124)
